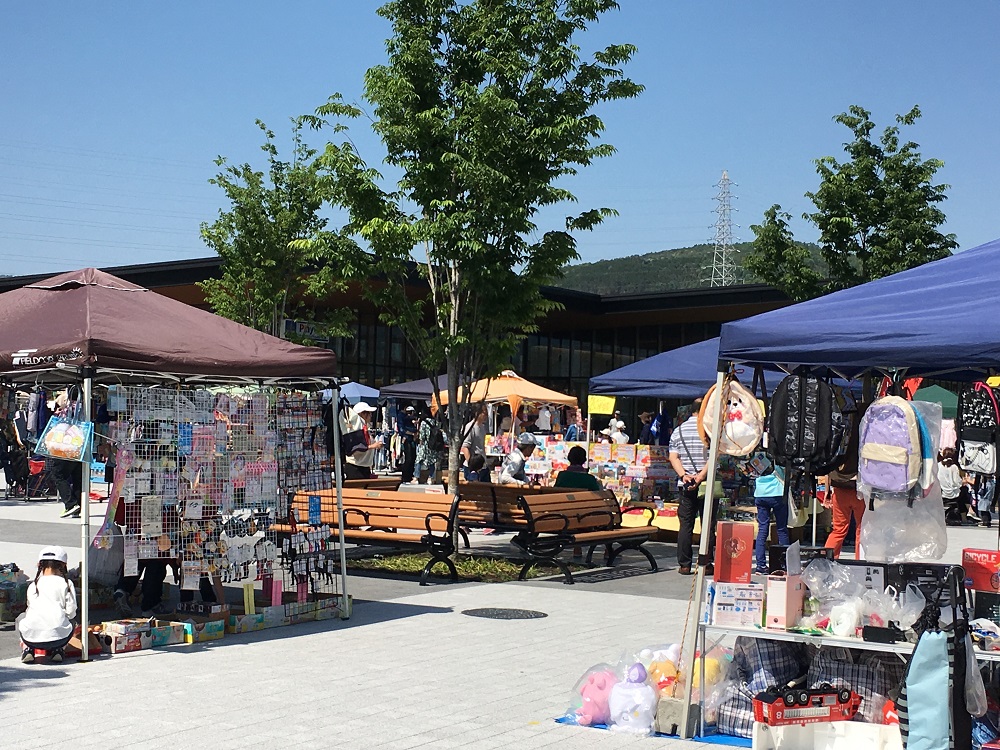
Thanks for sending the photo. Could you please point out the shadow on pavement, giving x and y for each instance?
(14, 678)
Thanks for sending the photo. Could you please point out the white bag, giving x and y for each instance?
(977, 456)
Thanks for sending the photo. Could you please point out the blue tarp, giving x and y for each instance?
(683, 373)
(934, 319)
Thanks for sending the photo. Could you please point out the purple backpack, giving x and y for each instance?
(890, 458)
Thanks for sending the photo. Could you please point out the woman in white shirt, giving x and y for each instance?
(47, 625)
(951, 487)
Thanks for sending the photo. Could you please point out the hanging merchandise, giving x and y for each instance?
(67, 436)
(977, 427)
(742, 419)
(806, 433)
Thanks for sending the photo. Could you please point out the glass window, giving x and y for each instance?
(559, 356)
(625, 347)
(604, 344)
(397, 354)
(580, 358)
(537, 362)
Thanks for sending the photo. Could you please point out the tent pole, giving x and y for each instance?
(338, 478)
(707, 523)
(88, 387)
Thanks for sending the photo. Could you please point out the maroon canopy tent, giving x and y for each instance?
(91, 318)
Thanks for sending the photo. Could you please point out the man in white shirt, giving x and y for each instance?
(513, 466)
(689, 458)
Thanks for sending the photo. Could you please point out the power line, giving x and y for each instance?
(86, 206)
(93, 224)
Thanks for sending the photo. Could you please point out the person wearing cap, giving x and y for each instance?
(617, 433)
(361, 459)
(513, 466)
(47, 625)
(407, 430)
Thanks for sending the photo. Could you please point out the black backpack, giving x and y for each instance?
(436, 441)
(977, 428)
(806, 431)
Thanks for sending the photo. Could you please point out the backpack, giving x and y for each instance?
(891, 453)
(976, 425)
(742, 420)
(436, 441)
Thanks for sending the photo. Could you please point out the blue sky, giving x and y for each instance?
(111, 113)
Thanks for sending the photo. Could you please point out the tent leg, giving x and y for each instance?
(338, 478)
(707, 524)
(88, 388)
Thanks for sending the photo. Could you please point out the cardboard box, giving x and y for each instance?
(127, 627)
(198, 629)
(166, 633)
(982, 569)
(126, 643)
(203, 608)
(733, 552)
(239, 622)
(273, 617)
(785, 595)
(738, 604)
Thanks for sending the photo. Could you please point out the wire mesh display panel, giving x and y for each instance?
(201, 476)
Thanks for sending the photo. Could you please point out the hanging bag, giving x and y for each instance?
(742, 419)
(67, 436)
(977, 427)
(352, 441)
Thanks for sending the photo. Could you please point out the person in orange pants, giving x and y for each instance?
(845, 504)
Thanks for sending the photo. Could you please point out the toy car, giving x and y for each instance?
(799, 705)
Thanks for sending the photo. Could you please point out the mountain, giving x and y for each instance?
(663, 271)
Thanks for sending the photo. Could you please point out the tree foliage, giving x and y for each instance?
(484, 107)
(878, 213)
(265, 278)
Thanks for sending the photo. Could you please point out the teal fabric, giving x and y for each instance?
(577, 480)
(926, 694)
(770, 485)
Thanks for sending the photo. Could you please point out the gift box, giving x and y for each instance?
(785, 595)
(738, 605)
(982, 569)
(733, 552)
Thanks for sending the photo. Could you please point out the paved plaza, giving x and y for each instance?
(408, 670)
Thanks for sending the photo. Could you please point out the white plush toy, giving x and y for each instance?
(633, 703)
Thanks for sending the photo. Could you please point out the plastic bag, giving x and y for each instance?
(632, 703)
(975, 690)
(912, 603)
(831, 583)
(878, 608)
(589, 704)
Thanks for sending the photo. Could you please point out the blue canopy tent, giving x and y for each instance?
(683, 373)
(355, 392)
(930, 320)
(421, 390)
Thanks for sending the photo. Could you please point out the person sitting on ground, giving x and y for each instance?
(950, 479)
(576, 476)
(513, 466)
(47, 625)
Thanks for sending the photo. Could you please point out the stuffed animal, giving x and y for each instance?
(663, 674)
(596, 690)
(633, 703)
(713, 671)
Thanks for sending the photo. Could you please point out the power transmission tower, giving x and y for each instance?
(725, 271)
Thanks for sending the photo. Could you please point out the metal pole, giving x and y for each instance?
(338, 478)
(816, 512)
(88, 387)
(691, 628)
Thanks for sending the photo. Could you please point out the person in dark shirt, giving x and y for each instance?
(577, 477)
(646, 436)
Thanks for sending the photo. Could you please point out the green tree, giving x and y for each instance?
(264, 278)
(484, 107)
(878, 213)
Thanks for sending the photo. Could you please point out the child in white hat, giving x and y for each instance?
(48, 623)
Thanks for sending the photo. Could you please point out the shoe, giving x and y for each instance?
(684, 570)
(70, 511)
(985, 525)
(710, 570)
(974, 517)
(122, 606)
(28, 656)
(761, 573)
(75, 515)
(56, 657)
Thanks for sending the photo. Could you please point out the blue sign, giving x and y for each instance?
(314, 511)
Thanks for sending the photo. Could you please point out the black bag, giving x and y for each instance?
(806, 431)
(350, 442)
(436, 441)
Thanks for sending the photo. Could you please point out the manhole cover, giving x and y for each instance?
(498, 613)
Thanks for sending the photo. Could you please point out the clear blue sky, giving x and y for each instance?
(111, 113)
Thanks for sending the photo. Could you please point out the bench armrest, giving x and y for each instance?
(443, 517)
(349, 511)
(610, 524)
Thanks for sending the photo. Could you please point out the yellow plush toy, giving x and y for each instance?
(663, 674)
(713, 671)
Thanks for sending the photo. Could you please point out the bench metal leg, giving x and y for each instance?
(637, 546)
(435, 559)
(563, 568)
(465, 537)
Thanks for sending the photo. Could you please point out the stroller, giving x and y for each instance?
(14, 459)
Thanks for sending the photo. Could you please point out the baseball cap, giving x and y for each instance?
(526, 438)
(363, 406)
(409, 408)
(54, 552)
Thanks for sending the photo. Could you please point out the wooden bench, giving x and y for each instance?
(554, 522)
(374, 483)
(393, 519)
(495, 506)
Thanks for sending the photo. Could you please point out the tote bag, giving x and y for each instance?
(66, 437)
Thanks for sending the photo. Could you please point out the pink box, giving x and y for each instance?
(785, 595)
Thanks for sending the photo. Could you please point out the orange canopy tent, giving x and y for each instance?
(510, 387)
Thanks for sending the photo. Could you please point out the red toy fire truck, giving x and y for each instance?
(798, 705)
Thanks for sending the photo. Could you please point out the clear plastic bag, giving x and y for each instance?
(911, 605)
(975, 690)
(831, 583)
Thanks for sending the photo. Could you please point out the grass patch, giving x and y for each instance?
(488, 569)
